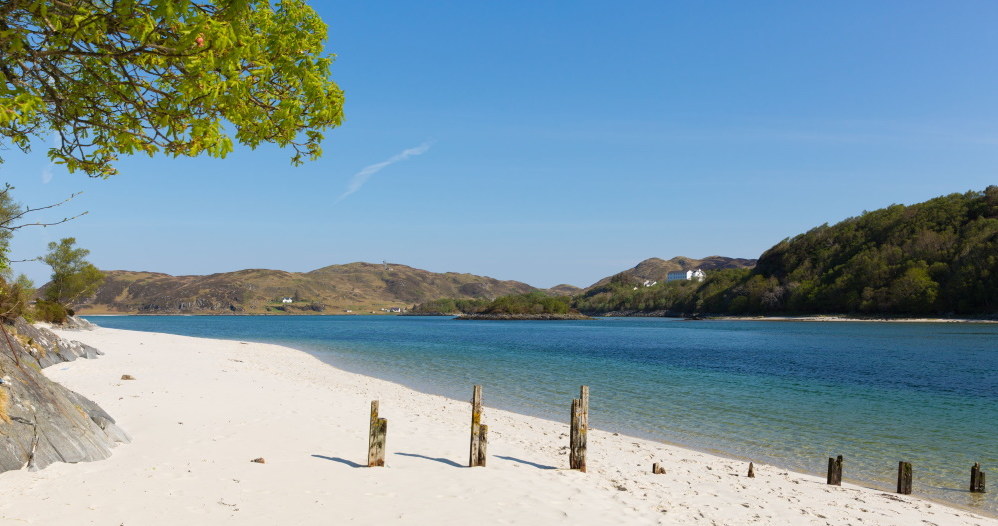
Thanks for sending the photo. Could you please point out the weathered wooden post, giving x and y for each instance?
(573, 436)
(751, 471)
(483, 444)
(904, 478)
(657, 469)
(584, 397)
(835, 471)
(376, 438)
(577, 438)
(474, 457)
(976, 479)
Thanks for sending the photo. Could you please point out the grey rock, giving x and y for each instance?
(48, 423)
(77, 323)
(48, 349)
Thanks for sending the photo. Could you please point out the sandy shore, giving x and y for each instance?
(200, 410)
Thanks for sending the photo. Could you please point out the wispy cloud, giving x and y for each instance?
(47, 173)
(362, 176)
(47, 170)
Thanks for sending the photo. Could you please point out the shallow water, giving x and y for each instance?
(787, 393)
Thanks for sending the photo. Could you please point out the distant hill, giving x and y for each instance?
(655, 269)
(564, 290)
(355, 287)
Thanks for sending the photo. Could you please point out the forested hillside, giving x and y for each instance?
(937, 257)
(940, 256)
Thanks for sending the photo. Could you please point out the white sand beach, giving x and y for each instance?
(200, 410)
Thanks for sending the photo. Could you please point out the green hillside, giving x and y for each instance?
(939, 257)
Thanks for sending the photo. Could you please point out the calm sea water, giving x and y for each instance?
(787, 393)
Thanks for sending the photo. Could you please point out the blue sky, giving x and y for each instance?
(560, 142)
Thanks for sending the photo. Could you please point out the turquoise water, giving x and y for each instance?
(787, 393)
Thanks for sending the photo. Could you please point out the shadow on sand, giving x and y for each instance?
(447, 461)
(527, 462)
(341, 461)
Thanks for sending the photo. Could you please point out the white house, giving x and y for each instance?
(688, 275)
(287, 300)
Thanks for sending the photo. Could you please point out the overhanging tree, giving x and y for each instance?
(118, 77)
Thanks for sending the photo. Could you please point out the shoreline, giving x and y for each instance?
(705, 450)
(808, 318)
(832, 318)
(201, 409)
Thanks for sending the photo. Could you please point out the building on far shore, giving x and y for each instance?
(688, 275)
(287, 300)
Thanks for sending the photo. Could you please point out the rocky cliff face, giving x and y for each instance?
(45, 422)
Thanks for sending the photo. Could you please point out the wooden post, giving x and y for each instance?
(751, 471)
(657, 469)
(483, 444)
(583, 428)
(577, 438)
(572, 435)
(372, 433)
(578, 430)
(835, 471)
(376, 438)
(975, 470)
(976, 479)
(904, 478)
(476, 423)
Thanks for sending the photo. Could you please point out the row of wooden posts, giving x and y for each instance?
(480, 432)
(905, 476)
(577, 441)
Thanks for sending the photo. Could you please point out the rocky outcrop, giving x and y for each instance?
(45, 348)
(45, 422)
(77, 323)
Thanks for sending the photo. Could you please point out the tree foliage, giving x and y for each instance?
(73, 277)
(14, 297)
(940, 256)
(118, 77)
(451, 306)
(15, 293)
(536, 302)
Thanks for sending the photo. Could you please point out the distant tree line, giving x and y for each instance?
(451, 306)
(536, 302)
